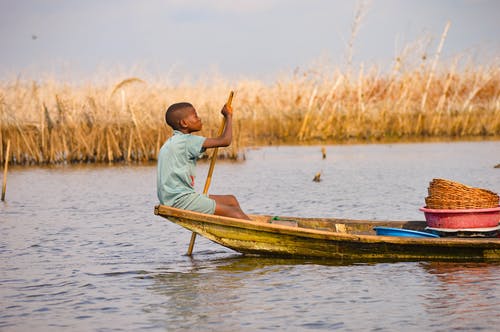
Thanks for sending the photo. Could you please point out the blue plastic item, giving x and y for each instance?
(389, 231)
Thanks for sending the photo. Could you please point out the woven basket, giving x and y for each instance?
(446, 194)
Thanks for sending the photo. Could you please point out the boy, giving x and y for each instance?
(177, 163)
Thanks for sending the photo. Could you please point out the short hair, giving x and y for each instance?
(172, 117)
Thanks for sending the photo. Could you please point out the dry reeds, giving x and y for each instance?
(54, 122)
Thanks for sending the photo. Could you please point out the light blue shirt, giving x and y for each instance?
(177, 166)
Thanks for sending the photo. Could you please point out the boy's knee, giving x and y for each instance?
(233, 199)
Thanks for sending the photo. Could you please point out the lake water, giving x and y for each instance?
(81, 250)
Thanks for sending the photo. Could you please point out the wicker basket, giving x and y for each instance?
(446, 194)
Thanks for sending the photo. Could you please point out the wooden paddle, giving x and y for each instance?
(211, 169)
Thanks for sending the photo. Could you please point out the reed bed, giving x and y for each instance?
(56, 122)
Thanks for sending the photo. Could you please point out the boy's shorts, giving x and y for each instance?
(196, 202)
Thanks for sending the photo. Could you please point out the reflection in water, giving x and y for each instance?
(214, 292)
(464, 293)
(232, 293)
(191, 300)
(212, 289)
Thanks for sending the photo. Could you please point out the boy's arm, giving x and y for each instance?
(227, 135)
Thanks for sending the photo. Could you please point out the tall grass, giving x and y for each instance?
(56, 122)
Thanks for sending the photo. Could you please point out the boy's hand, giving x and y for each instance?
(227, 110)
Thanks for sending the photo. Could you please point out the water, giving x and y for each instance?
(81, 250)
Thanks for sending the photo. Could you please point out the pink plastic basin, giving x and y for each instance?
(460, 219)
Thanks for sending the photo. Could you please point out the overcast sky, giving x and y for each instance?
(238, 38)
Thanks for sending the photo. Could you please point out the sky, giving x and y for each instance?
(243, 39)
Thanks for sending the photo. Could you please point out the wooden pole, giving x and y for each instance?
(211, 170)
(4, 186)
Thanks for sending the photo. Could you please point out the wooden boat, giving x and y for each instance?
(329, 238)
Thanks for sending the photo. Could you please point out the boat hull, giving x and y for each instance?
(331, 238)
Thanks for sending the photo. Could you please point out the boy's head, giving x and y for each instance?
(182, 116)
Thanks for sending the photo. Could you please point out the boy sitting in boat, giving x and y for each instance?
(177, 163)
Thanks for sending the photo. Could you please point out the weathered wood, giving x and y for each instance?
(329, 238)
(6, 167)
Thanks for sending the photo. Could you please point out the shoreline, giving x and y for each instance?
(242, 154)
